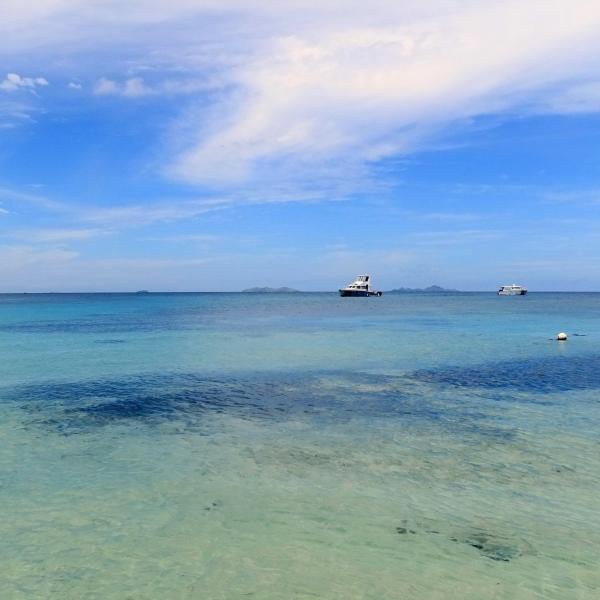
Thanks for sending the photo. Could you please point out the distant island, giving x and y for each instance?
(270, 290)
(430, 289)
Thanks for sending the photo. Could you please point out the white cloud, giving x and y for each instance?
(14, 82)
(203, 238)
(354, 94)
(168, 211)
(453, 237)
(14, 258)
(3, 211)
(585, 197)
(136, 87)
(579, 98)
(133, 87)
(37, 200)
(448, 216)
(105, 86)
(58, 236)
(136, 215)
(73, 85)
(318, 91)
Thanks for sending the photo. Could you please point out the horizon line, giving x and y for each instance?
(392, 291)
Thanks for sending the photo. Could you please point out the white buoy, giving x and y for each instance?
(562, 337)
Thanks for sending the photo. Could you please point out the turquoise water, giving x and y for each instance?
(299, 446)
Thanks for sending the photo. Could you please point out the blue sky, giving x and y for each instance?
(212, 145)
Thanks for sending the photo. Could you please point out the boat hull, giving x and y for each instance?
(358, 293)
(519, 293)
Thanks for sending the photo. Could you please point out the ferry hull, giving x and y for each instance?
(519, 293)
(358, 293)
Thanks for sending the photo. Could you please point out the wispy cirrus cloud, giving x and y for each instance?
(137, 215)
(452, 217)
(454, 237)
(59, 236)
(315, 90)
(585, 197)
(350, 94)
(16, 257)
(18, 196)
(14, 113)
(184, 238)
(578, 98)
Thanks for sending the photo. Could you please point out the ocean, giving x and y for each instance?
(220, 446)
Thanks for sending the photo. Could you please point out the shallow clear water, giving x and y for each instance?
(299, 446)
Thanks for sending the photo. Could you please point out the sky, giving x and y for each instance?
(196, 145)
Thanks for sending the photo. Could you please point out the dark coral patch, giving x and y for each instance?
(554, 374)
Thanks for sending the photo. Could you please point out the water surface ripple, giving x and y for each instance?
(299, 446)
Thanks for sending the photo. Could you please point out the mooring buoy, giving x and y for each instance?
(561, 337)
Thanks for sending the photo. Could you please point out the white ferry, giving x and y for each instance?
(361, 286)
(512, 290)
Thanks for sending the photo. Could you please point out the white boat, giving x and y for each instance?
(361, 286)
(512, 290)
